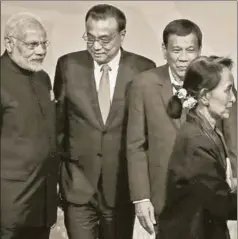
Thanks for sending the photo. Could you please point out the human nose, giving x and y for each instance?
(183, 56)
(97, 45)
(233, 98)
(40, 49)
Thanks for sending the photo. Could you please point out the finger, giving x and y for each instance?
(142, 222)
(152, 215)
(149, 226)
(147, 223)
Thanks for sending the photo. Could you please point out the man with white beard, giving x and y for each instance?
(29, 165)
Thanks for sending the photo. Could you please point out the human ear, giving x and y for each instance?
(164, 50)
(205, 97)
(8, 44)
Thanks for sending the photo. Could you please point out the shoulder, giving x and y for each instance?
(78, 56)
(138, 58)
(193, 138)
(152, 76)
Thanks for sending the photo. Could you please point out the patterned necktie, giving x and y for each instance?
(104, 92)
(177, 87)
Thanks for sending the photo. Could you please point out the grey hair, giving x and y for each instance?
(19, 21)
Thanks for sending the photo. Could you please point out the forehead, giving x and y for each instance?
(33, 34)
(182, 41)
(227, 78)
(101, 27)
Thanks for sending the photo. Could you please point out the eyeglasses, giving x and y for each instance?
(102, 40)
(33, 44)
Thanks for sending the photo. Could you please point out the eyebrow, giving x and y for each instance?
(99, 36)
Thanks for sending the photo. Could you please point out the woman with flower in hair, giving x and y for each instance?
(201, 191)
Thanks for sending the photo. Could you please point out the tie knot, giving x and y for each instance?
(106, 68)
(177, 87)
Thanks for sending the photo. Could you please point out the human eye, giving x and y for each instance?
(105, 39)
(32, 44)
(191, 49)
(228, 89)
(176, 50)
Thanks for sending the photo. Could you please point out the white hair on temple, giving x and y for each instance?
(18, 21)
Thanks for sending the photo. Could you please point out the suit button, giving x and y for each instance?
(99, 155)
(104, 132)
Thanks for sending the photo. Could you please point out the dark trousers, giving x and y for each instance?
(25, 233)
(97, 220)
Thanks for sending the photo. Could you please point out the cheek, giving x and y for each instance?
(192, 56)
(172, 58)
(24, 53)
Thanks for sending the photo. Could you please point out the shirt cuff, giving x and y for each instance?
(143, 200)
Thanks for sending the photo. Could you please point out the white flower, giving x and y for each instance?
(189, 103)
(182, 93)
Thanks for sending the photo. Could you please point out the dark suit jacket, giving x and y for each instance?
(90, 147)
(198, 199)
(151, 135)
(28, 148)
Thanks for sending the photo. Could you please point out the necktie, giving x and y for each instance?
(177, 87)
(104, 92)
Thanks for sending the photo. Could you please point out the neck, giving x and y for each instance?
(203, 111)
(177, 79)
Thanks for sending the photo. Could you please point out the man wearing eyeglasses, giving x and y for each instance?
(29, 164)
(91, 88)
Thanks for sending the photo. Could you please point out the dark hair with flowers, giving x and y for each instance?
(203, 73)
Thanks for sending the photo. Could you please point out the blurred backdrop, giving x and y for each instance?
(64, 21)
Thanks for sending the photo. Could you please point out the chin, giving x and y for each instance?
(35, 68)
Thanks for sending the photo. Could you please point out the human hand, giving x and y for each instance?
(145, 213)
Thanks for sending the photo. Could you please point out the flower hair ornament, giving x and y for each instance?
(188, 101)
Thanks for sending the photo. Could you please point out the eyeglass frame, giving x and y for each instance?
(44, 44)
(85, 38)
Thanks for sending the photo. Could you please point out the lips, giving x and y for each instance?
(182, 68)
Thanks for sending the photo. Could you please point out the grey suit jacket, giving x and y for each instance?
(151, 134)
(90, 148)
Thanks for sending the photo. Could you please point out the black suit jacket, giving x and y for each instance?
(28, 148)
(90, 147)
(198, 199)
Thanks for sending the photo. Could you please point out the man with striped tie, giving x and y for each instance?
(91, 88)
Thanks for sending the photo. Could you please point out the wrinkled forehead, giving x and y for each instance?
(183, 41)
(101, 26)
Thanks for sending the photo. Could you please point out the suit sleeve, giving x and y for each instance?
(208, 185)
(137, 144)
(59, 92)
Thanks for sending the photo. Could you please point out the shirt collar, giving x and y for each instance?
(173, 81)
(114, 63)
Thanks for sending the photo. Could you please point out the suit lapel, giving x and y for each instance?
(92, 91)
(167, 92)
(124, 75)
(214, 138)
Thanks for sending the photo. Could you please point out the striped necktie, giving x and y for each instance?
(104, 92)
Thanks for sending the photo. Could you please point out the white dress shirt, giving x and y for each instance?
(114, 65)
(173, 81)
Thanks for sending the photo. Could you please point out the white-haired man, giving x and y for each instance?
(29, 162)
